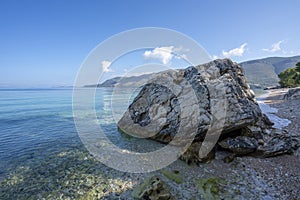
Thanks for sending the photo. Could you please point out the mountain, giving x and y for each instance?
(130, 81)
(260, 73)
(108, 83)
(264, 72)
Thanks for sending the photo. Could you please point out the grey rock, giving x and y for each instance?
(191, 155)
(203, 105)
(293, 93)
(220, 93)
(279, 144)
(240, 145)
(152, 188)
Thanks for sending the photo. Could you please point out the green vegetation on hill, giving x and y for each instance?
(290, 77)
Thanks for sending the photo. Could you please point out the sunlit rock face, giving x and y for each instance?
(192, 93)
(210, 100)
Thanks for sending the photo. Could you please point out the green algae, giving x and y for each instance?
(210, 187)
(172, 176)
(138, 191)
(152, 188)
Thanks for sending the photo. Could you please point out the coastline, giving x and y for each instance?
(72, 173)
(266, 104)
(275, 104)
(281, 172)
(286, 109)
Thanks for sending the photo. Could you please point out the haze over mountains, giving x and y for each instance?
(260, 73)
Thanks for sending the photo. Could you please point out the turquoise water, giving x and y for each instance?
(33, 124)
(41, 153)
(36, 123)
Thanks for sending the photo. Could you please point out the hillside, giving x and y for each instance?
(131, 81)
(260, 73)
(264, 72)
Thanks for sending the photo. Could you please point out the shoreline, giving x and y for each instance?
(282, 172)
(72, 173)
(265, 101)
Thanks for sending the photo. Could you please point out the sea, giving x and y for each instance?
(39, 142)
(41, 153)
(38, 123)
(34, 123)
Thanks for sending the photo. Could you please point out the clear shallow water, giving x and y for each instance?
(36, 123)
(41, 154)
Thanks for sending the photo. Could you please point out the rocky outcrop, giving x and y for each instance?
(293, 93)
(278, 143)
(211, 101)
(198, 88)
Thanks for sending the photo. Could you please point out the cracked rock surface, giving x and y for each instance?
(212, 101)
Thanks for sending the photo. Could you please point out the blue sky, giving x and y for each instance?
(43, 43)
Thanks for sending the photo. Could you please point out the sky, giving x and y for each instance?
(44, 43)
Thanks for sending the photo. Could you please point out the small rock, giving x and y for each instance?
(240, 145)
(279, 144)
(293, 93)
(229, 159)
(152, 188)
(191, 155)
(261, 142)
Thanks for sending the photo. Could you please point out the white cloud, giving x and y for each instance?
(235, 52)
(105, 65)
(165, 54)
(275, 47)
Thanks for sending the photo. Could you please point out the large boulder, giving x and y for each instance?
(196, 103)
(208, 84)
